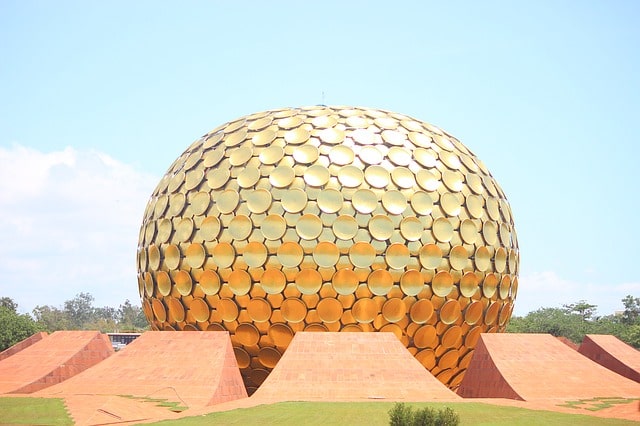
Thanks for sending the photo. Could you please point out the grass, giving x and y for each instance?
(40, 411)
(376, 413)
(33, 411)
(159, 402)
(597, 404)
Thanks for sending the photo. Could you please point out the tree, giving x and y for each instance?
(554, 321)
(9, 303)
(131, 317)
(50, 318)
(80, 311)
(631, 313)
(14, 327)
(584, 309)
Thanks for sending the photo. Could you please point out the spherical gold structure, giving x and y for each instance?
(330, 219)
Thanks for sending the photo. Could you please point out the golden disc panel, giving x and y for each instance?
(412, 282)
(345, 281)
(209, 282)
(421, 311)
(199, 309)
(330, 219)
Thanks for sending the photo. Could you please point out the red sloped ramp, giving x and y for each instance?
(193, 369)
(612, 353)
(52, 359)
(22, 345)
(350, 366)
(538, 366)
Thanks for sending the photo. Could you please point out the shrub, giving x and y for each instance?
(403, 415)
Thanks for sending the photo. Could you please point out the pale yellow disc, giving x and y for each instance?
(364, 201)
(306, 154)
(227, 201)
(345, 227)
(258, 201)
(394, 202)
(248, 177)
(223, 255)
(381, 227)
(422, 203)
(273, 227)
(377, 176)
(483, 258)
(430, 256)
(330, 200)
(341, 155)
(240, 227)
(468, 231)
(350, 176)
(442, 230)
(316, 175)
(281, 176)
(210, 228)
(309, 227)
(294, 200)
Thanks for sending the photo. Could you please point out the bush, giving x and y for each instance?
(403, 415)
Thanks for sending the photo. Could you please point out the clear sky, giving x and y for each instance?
(98, 98)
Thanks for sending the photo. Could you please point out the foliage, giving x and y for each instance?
(14, 327)
(403, 415)
(575, 320)
(9, 303)
(79, 313)
(631, 313)
(582, 308)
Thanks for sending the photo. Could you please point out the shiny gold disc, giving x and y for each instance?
(442, 283)
(345, 281)
(290, 254)
(345, 227)
(421, 311)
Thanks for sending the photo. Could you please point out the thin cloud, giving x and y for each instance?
(549, 290)
(69, 222)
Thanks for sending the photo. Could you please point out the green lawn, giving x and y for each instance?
(40, 411)
(375, 413)
(33, 411)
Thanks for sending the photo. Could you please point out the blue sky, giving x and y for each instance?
(98, 98)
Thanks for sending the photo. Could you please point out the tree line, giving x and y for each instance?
(575, 320)
(571, 321)
(78, 313)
